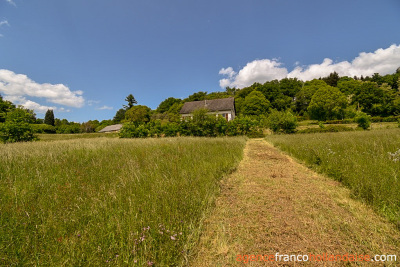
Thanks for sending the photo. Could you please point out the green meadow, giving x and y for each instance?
(108, 201)
(368, 162)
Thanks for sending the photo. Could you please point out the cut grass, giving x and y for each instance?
(273, 204)
(108, 201)
(364, 161)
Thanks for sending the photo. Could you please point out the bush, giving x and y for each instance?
(282, 121)
(43, 128)
(363, 120)
(131, 130)
(327, 129)
(11, 132)
(200, 125)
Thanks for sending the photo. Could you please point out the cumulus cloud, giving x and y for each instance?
(105, 108)
(382, 61)
(29, 104)
(255, 71)
(20, 86)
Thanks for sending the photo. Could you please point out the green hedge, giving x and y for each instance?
(209, 126)
(43, 128)
(327, 129)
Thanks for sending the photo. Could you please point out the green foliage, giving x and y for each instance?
(255, 104)
(16, 128)
(363, 120)
(326, 129)
(20, 115)
(43, 128)
(202, 124)
(282, 121)
(138, 114)
(196, 97)
(119, 116)
(49, 117)
(5, 107)
(131, 101)
(13, 131)
(332, 79)
(167, 104)
(327, 103)
(71, 128)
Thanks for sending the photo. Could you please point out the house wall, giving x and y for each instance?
(229, 114)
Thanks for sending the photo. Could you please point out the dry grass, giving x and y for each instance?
(274, 204)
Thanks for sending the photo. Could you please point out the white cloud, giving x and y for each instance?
(382, 61)
(91, 102)
(4, 22)
(255, 71)
(19, 100)
(11, 2)
(105, 108)
(19, 85)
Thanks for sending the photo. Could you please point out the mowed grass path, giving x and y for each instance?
(273, 204)
(107, 201)
(368, 162)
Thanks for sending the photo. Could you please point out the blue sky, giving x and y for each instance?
(83, 58)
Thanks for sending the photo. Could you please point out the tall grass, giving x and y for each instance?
(108, 201)
(368, 162)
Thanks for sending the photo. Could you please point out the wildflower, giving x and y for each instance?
(173, 237)
(150, 263)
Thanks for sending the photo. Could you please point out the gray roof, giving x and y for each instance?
(212, 105)
(111, 128)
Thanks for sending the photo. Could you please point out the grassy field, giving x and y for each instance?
(368, 162)
(57, 137)
(108, 201)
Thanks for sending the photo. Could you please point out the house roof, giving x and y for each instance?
(111, 128)
(212, 105)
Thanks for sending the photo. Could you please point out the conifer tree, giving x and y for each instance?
(49, 117)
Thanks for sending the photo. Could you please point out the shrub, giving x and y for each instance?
(131, 130)
(43, 128)
(282, 121)
(11, 132)
(326, 129)
(363, 120)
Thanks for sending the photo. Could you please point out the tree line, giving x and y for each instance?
(327, 98)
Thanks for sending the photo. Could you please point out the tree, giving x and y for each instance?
(327, 103)
(131, 101)
(196, 97)
(255, 104)
(49, 117)
(138, 114)
(5, 107)
(373, 99)
(167, 103)
(303, 97)
(16, 128)
(119, 115)
(332, 79)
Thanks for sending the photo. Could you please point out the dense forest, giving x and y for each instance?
(327, 98)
